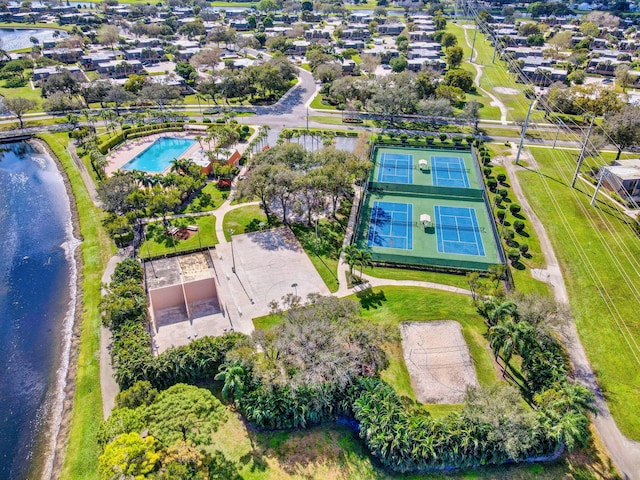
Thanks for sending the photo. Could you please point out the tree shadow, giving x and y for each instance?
(221, 467)
(518, 265)
(370, 299)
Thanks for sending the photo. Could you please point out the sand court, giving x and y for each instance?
(438, 360)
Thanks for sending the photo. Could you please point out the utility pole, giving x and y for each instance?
(473, 44)
(582, 153)
(556, 139)
(524, 131)
(603, 174)
(307, 119)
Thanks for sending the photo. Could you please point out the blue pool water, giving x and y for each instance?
(157, 157)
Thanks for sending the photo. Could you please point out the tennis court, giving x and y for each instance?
(458, 231)
(395, 168)
(390, 225)
(449, 172)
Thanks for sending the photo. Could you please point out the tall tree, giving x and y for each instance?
(108, 35)
(623, 128)
(19, 106)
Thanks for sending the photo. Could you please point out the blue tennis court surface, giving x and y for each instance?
(449, 172)
(396, 168)
(390, 225)
(457, 231)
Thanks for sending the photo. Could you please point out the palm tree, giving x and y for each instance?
(233, 376)
(494, 310)
(364, 259)
(350, 253)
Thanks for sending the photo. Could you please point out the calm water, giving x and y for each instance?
(16, 39)
(37, 281)
(157, 157)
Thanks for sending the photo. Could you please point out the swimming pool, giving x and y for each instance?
(157, 157)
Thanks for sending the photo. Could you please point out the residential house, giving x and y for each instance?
(64, 55)
(119, 68)
(43, 75)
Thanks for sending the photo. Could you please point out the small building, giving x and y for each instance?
(119, 68)
(64, 55)
(43, 75)
(623, 177)
(90, 61)
(299, 47)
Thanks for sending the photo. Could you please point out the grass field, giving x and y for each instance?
(36, 25)
(389, 306)
(419, 275)
(494, 75)
(600, 257)
(325, 252)
(209, 198)
(327, 119)
(312, 453)
(317, 103)
(334, 452)
(158, 243)
(24, 92)
(81, 460)
(243, 220)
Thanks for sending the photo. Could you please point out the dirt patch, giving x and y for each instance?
(506, 90)
(438, 361)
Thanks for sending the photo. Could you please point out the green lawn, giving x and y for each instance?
(599, 255)
(324, 250)
(494, 75)
(317, 103)
(419, 275)
(81, 460)
(24, 92)
(327, 119)
(209, 198)
(37, 25)
(243, 220)
(158, 243)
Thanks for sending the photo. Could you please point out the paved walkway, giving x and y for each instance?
(108, 384)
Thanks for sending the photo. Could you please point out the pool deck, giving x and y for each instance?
(131, 148)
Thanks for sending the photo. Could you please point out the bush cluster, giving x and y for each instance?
(124, 311)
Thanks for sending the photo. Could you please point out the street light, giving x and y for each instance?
(233, 258)
(295, 287)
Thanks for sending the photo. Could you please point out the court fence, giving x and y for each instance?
(445, 264)
(425, 190)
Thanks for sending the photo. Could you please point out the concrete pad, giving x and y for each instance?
(273, 264)
(438, 361)
(184, 331)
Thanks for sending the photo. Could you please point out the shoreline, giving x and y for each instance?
(55, 451)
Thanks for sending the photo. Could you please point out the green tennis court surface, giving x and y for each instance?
(426, 207)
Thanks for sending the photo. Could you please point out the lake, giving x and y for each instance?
(37, 292)
(19, 38)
